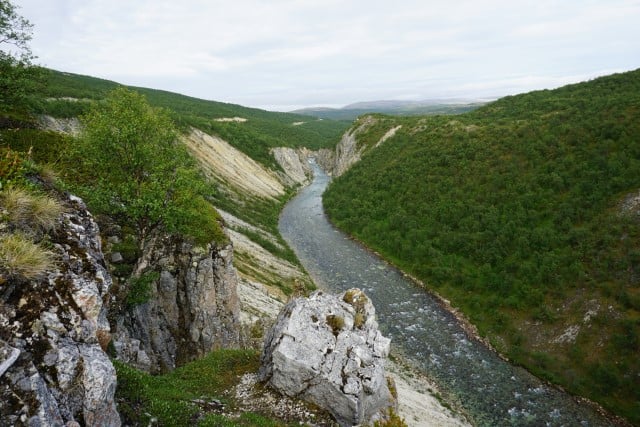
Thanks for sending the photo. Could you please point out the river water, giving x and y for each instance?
(491, 391)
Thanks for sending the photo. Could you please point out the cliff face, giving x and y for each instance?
(53, 333)
(349, 151)
(192, 308)
(232, 168)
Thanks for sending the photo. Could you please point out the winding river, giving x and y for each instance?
(491, 391)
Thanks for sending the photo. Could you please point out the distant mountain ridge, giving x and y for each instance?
(394, 107)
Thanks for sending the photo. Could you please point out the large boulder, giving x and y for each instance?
(53, 333)
(327, 349)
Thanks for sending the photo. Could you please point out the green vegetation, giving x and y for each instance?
(358, 300)
(21, 257)
(69, 95)
(351, 113)
(141, 175)
(18, 77)
(168, 398)
(28, 210)
(140, 288)
(336, 323)
(25, 215)
(514, 212)
(394, 420)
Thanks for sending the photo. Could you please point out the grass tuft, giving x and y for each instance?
(28, 210)
(19, 256)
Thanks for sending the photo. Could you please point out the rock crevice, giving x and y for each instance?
(192, 309)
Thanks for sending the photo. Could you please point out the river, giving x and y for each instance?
(491, 391)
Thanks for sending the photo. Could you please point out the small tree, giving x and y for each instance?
(17, 73)
(143, 176)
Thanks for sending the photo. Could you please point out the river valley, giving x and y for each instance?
(491, 391)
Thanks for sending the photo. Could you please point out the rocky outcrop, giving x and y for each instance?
(294, 163)
(348, 151)
(326, 159)
(53, 333)
(192, 306)
(70, 126)
(224, 163)
(390, 134)
(328, 350)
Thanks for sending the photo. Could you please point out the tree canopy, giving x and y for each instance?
(514, 212)
(136, 170)
(17, 72)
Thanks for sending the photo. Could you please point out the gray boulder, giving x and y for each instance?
(327, 349)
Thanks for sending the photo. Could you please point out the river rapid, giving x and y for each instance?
(491, 391)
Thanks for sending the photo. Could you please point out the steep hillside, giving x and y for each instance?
(251, 130)
(524, 213)
(233, 144)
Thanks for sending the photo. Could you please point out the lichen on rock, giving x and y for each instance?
(56, 325)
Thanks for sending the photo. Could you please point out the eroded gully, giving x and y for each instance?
(491, 391)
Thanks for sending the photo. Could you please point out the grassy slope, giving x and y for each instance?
(169, 397)
(262, 130)
(513, 213)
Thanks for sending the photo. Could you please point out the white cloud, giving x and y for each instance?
(332, 51)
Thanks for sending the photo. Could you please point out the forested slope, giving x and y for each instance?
(67, 95)
(522, 213)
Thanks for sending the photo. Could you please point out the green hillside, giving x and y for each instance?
(521, 213)
(68, 95)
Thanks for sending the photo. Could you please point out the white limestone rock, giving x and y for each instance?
(327, 349)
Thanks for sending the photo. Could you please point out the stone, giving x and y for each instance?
(116, 257)
(294, 164)
(348, 151)
(8, 356)
(193, 307)
(327, 349)
(62, 374)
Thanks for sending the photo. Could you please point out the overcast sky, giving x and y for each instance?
(283, 54)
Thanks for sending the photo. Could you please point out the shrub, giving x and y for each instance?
(358, 300)
(10, 166)
(394, 420)
(140, 288)
(145, 177)
(19, 256)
